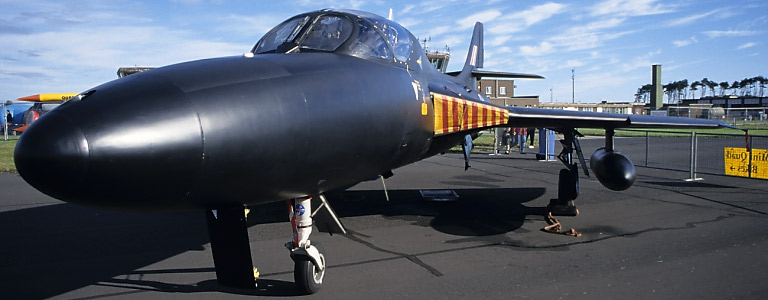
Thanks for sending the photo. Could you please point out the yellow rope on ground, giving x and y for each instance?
(555, 227)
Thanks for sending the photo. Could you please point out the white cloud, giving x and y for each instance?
(483, 16)
(187, 1)
(505, 28)
(499, 40)
(407, 9)
(539, 13)
(524, 19)
(452, 41)
(353, 4)
(598, 25)
(692, 18)
(729, 33)
(408, 22)
(630, 8)
(439, 30)
(643, 61)
(745, 46)
(251, 25)
(93, 55)
(572, 63)
(543, 48)
(683, 43)
(589, 85)
(588, 36)
(616, 35)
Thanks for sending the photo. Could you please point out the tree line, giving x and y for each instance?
(678, 90)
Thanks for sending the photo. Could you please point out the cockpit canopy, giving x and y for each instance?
(347, 32)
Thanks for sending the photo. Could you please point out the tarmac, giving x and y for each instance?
(664, 238)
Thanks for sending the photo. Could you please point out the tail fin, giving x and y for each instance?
(474, 55)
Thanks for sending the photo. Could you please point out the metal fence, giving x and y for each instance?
(690, 152)
(734, 116)
(696, 153)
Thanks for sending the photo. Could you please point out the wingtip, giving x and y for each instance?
(722, 124)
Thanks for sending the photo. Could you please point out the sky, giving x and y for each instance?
(608, 45)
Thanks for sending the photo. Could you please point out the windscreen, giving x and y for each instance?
(367, 37)
(298, 34)
(327, 33)
(285, 32)
(369, 43)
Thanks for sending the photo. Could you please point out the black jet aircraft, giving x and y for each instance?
(325, 100)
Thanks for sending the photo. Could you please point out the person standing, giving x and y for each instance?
(509, 136)
(531, 136)
(8, 120)
(515, 132)
(499, 139)
(521, 135)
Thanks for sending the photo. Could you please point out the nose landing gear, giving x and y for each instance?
(309, 262)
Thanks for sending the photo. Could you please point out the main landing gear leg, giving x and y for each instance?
(309, 263)
(228, 232)
(568, 181)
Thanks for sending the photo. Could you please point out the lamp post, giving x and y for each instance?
(573, 85)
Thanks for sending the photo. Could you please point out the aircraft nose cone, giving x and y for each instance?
(52, 156)
(129, 144)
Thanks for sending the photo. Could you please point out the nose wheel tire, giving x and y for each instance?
(307, 276)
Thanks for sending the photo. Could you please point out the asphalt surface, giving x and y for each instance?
(664, 238)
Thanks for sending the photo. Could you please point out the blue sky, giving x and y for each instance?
(70, 46)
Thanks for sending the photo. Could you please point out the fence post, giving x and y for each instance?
(694, 146)
(749, 149)
(5, 130)
(647, 145)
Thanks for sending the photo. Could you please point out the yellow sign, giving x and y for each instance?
(739, 163)
(760, 163)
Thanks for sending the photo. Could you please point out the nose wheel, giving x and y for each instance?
(308, 275)
(309, 264)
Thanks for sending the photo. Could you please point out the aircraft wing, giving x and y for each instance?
(555, 118)
(493, 74)
(454, 115)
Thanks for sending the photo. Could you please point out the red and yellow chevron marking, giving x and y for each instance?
(456, 114)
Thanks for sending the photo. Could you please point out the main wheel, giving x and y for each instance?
(308, 278)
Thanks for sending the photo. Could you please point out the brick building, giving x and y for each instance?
(502, 92)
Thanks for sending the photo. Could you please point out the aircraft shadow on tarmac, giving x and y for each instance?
(690, 184)
(50, 250)
(477, 212)
(54, 249)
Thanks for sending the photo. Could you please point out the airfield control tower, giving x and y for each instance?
(438, 59)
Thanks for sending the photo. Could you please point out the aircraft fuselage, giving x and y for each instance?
(240, 129)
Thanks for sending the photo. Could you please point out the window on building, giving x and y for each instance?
(488, 90)
(502, 90)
